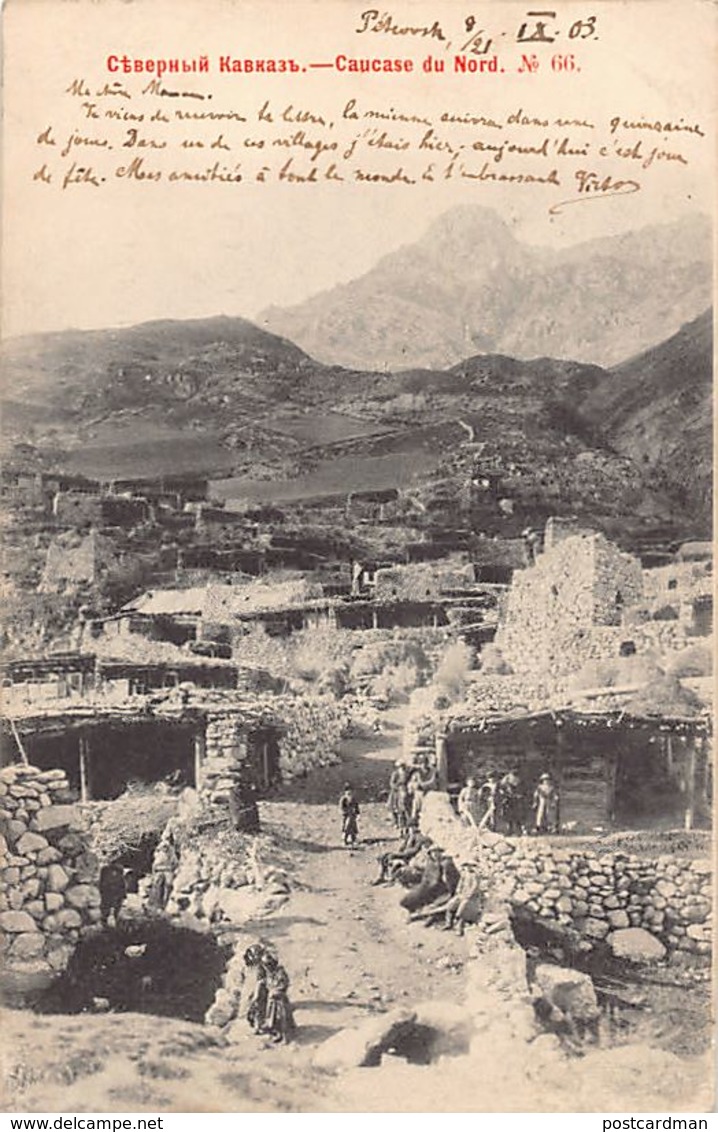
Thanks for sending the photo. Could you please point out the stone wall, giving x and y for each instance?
(308, 729)
(49, 895)
(594, 893)
(567, 608)
(421, 581)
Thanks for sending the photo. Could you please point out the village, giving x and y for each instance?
(192, 717)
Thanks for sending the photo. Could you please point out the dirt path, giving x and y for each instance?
(348, 945)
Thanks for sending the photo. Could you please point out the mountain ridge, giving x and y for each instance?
(468, 285)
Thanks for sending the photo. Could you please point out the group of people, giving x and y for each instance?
(264, 1001)
(437, 891)
(500, 804)
(407, 787)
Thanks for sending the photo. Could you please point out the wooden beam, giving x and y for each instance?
(200, 746)
(690, 814)
(85, 770)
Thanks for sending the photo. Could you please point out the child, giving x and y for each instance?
(349, 808)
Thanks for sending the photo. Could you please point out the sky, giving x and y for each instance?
(124, 254)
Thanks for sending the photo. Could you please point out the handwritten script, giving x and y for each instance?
(139, 132)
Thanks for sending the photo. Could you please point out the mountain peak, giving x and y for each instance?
(469, 285)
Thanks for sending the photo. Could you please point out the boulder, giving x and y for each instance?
(364, 1044)
(14, 829)
(56, 817)
(54, 901)
(594, 928)
(57, 879)
(27, 945)
(81, 895)
(30, 843)
(571, 992)
(618, 919)
(16, 922)
(68, 918)
(636, 945)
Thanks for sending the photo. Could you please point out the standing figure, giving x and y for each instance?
(253, 999)
(164, 865)
(547, 804)
(469, 803)
(397, 796)
(113, 891)
(243, 811)
(279, 1023)
(349, 809)
(416, 801)
(511, 803)
(489, 796)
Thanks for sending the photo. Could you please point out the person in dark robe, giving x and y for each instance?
(113, 891)
(390, 863)
(434, 911)
(511, 803)
(253, 997)
(243, 811)
(279, 1019)
(349, 809)
(430, 887)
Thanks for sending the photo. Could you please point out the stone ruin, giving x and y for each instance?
(49, 896)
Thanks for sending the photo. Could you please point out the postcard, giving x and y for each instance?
(357, 573)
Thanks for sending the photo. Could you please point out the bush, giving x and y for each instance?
(666, 613)
(454, 667)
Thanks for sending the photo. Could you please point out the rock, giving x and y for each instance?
(57, 879)
(54, 901)
(14, 830)
(49, 856)
(666, 888)
(636, 945)
(16, 922)
(59, 957)
(81, 896)
(30, 843)
(11, 876)
(35, 908)
(26, 978)
(618, 919)
(571, 992)
(364, 1044)
(596, 929)
(27, 945)
(56, 817)
(696, 932)
(703, 867)
(68, 918)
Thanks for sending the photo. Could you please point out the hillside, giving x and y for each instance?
(468, 286)
(224, 398)
(657, 408)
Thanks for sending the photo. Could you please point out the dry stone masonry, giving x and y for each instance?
(599, 895)
(565, 610)
(49, 895)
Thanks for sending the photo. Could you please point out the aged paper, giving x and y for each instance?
(409, 205)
